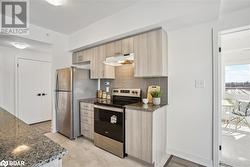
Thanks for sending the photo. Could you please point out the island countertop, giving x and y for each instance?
(21, 142)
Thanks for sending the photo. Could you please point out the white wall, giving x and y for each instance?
(190, 112)
(8, 57)
(59, 56)
(190, 109)
(143, 16)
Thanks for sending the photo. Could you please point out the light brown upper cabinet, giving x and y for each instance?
(150, 50)
(81, 56)
(113, 48)
(97, 68)
(128, 45)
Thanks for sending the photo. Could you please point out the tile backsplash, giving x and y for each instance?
(124, 78)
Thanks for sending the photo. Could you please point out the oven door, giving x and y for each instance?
(109, 122)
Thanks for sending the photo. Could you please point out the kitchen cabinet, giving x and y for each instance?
(128, 45)
(150, 50)
(87, 120)
(82, 56)
(97, 68)
(113, 48)
(145, 134)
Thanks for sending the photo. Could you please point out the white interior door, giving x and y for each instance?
(33, 82)
(45, 76)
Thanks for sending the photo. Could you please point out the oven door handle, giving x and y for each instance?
(109, 108)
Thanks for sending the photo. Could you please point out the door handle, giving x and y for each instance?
(39, 94)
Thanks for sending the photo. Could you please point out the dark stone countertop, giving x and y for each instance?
(89, 100)
(145, 107)
(21, 142)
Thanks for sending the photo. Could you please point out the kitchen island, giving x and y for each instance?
(22, 145)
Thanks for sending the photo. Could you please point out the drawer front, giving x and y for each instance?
(87, 131)
(87, 113)
(87, 120)
(86, 106)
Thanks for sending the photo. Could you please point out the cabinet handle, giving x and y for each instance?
(44, 94)
(39, 94)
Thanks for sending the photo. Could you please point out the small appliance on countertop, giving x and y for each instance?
(109, 120)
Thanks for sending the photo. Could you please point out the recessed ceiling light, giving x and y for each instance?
(56, 2)
(19, 45)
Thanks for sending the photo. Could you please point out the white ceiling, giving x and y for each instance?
(33, 45)
(78, 14)
(75, 14)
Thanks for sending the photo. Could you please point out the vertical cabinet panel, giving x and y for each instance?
(141, 53)
(87, 120)
(151, 54)
(154, 54)
(97, 67)
(113, 48)
(138, 133)
(128, 45)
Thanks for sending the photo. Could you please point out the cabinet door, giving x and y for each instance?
(133, 133)
(150, 50)
(141, 53)
(139, 134)
(81, 56)
(96, 65)
(154, 54)
(74, 58)
(113, 48)
(128, 45)
(98, 68)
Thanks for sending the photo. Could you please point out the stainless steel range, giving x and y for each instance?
(109, 120)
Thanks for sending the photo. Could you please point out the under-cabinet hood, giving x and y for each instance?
(119, 60)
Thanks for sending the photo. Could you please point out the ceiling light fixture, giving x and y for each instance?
(19, 45)
(56, 2)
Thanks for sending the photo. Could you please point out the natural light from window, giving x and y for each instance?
(237, 73)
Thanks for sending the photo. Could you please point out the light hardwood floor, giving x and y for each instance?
(82, 152)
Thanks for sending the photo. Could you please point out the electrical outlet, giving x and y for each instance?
(199, 83)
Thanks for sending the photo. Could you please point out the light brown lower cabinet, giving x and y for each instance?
(87, 120)
(145, 134)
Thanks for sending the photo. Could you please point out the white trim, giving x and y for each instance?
(190, 157)
(217, 91)
(216, 108)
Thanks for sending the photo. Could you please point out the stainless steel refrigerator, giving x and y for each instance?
(72, 84)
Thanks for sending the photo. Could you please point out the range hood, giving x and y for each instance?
(119, 60)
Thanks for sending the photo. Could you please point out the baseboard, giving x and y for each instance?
(190, 157)
(163, 161)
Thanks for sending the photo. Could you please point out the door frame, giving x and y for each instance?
(217, 89)
(16, 107)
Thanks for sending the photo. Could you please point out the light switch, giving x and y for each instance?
(199, 83)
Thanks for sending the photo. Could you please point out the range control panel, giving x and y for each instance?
(127, 92)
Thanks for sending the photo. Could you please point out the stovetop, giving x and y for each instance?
(115, 103)
(121, 97)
